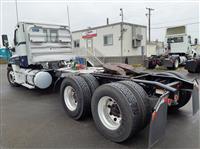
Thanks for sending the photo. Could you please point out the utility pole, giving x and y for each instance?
(68, 17)
(16, 11)
(122, 30)
(149, 21)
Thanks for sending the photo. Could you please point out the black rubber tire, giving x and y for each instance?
(83, 96)
(151, 65)
(184, 96)
(127, 102)
(191, 71)
(9, 69)
(142, 100)
(170, 68)
(174, 67)
(91, 81)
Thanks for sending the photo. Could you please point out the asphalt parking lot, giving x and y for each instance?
(36, 119)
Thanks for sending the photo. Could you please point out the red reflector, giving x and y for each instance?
(168, 101)
(178, 86)
(176, 97)
(154, 114)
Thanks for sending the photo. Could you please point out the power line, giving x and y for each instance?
(175, 21)
(172, 26)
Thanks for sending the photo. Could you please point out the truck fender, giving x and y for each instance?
(57, 83)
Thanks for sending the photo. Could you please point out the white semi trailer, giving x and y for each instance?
(121, 100)
(179, 49)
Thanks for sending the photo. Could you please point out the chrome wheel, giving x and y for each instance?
(11, 77)
(70, 98)
(109, 113)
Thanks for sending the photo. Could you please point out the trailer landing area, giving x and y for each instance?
(35, 119)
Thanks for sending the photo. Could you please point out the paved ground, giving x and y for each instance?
(35, 119)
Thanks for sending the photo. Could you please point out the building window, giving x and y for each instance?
(76, 43)
(136, 43)
(108, 40)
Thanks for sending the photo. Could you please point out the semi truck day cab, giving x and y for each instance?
(179, 50)
(122, 100)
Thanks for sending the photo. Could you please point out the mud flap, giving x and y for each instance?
(195, 98)
(158, 122)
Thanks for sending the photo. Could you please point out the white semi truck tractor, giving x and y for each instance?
(178, 49)
(38, 49)
(121, 100)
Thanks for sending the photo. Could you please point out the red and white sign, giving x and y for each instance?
(89, 34)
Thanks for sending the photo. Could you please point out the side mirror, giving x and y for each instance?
(12, 49)
(5, 40)
(195, 41)
(189, 40)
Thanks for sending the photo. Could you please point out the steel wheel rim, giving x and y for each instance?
(11, 77)
(176, 63)
(108, 119)
(69, 98)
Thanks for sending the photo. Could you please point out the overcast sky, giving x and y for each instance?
(91, 13)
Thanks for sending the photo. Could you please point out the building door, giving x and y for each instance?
(89, 45)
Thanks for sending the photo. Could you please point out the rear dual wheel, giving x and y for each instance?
(175, 65)
(119, 109)
(76, 94)
(117, 112)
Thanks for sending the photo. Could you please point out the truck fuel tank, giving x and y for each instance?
(32, 78)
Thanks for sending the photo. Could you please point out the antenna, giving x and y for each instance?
(68, 16)
(16, 11)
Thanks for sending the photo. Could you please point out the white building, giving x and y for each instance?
(105, 41)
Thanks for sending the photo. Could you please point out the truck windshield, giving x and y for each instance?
(175, 40)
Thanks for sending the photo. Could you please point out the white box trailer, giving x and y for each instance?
(120, 98)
